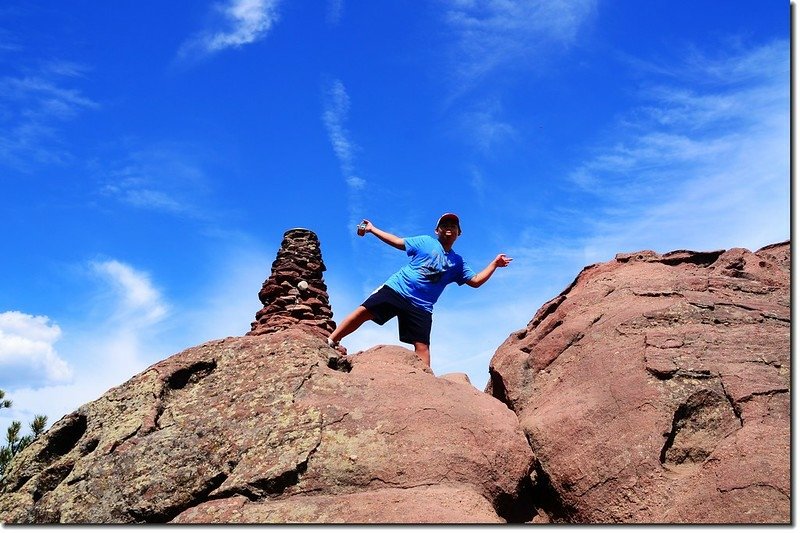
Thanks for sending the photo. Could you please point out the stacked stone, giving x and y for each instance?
(295, 292)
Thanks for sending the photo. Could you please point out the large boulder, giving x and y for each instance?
(655, 389)
(277, 428)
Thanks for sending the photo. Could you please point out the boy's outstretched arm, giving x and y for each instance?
(388, 238)
(483, 276)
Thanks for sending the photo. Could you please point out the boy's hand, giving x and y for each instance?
(502, 260)
(365, 227)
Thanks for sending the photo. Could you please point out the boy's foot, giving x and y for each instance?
(336, 346)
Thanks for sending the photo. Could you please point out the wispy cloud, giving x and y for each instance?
(494, 33)
(164, 177)
(241, 22)
(33, 108)
(337, 107)
(491, 42)
(478, 184)
(334, 13)
(488, 129)
(696, 164)
(138, 302)
(335, 114)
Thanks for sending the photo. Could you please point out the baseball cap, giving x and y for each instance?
(450, 217)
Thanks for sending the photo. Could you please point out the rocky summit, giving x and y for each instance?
(654, 389)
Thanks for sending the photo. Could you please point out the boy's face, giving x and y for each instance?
(447, 232)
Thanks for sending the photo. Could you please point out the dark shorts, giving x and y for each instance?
(413, 323)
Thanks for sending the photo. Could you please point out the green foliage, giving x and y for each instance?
(14, 442)
(4, 403)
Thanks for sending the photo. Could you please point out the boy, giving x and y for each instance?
(410, 293)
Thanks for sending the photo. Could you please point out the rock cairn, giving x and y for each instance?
(295, 292)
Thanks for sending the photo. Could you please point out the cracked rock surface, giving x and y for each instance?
(655, 389)
(276, 428)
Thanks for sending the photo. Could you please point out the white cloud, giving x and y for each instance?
(490, 43)
(139, 303)
(337, 107)
(478, 184)
(335, 9)
(494, 33)
(354, 182)
(487, 129)
(32, 109)
(334, 116)
(50, 100)
(27, 352)
(244, 21)
(696, 165)
(150, 199)
(164, 177)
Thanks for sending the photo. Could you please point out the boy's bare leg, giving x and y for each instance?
(352, 322)
(423, 351)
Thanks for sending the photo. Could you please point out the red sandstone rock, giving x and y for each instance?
(656, 389)
(416, 505)
(276, 428)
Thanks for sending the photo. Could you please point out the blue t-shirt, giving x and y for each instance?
(424, 278)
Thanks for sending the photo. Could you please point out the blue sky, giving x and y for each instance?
(153, 153)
